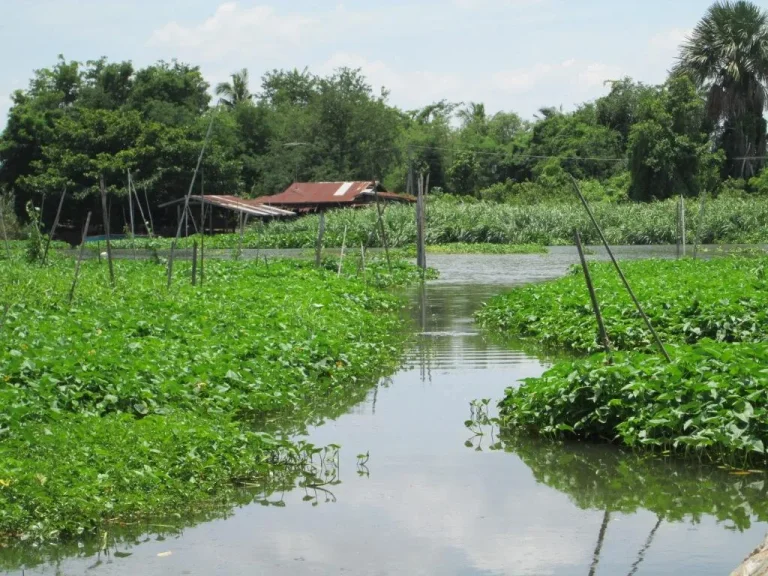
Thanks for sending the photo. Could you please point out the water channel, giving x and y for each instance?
(426, 503)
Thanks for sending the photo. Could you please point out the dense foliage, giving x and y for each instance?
(76, 121)
(709, 402)
(724, 299)
(160, 398)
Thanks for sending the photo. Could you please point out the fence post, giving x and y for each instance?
(194, 263)
(343, 245)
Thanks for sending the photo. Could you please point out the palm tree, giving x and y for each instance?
(236, 91)
(727, 56)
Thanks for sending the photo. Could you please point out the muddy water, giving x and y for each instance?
(426, 503)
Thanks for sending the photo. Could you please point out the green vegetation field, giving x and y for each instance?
(709, 401)
(452, 222)
(137, 401)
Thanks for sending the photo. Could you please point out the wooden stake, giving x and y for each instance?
(362, 260)
(424, 193)
(381, 226)
(618, 270)
(194, 263)
(319, 244)
(130, 210)
(343, 245)
(202, 225)
(266, 262)
(5, 236)
(141, 210)
(105, 214)
(55, 225)
(699, 224)
(592, 294)
(80, 257)
(682, 221)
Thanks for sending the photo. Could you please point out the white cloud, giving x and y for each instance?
(487, 4)
(570, 75)
(233, 31)
(408, 88)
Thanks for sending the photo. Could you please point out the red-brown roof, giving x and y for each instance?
(327, 193)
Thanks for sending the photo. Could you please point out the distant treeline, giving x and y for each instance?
(701, 130)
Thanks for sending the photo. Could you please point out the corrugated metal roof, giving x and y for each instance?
(237, 204)
(328, 193)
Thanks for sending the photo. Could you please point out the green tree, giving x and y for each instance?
(237, 91)
(727, 55)
(669, 148)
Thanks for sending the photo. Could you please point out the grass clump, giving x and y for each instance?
(725, 299)
(138, 401)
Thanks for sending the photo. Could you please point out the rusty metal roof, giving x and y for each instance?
(237, 204)
(328, 193)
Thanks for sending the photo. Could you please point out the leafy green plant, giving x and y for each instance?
(167, 399)
(724, 299)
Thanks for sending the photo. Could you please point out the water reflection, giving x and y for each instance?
(420, 502)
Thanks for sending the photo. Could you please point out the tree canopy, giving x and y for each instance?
(77, 120)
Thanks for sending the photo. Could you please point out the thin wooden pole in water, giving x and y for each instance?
(381, 226)
(424, 193)
(682, 222)
(194, 263)
(699, 224)
(618, 270)
(80, 257)
(419, 232)
(5, 235)
(343, 246)
(202, 225)
(130, 214)
(105, 214)
(149, 211)
(362, 260)
(319, 243)
(599, 546)
(55, 225)
(592, 294)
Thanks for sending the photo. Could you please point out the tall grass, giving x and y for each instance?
(726, 220)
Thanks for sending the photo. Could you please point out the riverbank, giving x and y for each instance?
(159, 398)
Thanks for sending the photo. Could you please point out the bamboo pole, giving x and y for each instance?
(186, 198)
(362, 260)
(419, 188)
(194, 263)
(343, 245)
(618, 270)
(141, 210)
(677, 229)
(55, 225)
(682, 222)
(105, 215)
(5, 235)
(130, 214)
(149, 212)
(699, 224)
(319, 243)
(424, 193)
(202, 225)
(592, 295)
(381, 226)
(79, 257)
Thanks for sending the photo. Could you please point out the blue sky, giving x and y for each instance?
(517, 55)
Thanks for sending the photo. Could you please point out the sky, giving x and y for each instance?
(512, 55)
